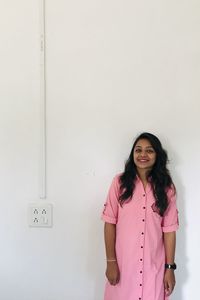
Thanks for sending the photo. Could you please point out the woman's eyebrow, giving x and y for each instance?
(145, 147)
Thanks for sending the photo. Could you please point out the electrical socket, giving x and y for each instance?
(40, 215)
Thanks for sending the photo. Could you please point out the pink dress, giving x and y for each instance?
(139, 242)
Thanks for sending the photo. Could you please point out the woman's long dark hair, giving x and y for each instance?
(160, 176)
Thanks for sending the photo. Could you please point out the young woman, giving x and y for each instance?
(141, 218)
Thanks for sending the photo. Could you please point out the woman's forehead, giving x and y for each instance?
(143, 143)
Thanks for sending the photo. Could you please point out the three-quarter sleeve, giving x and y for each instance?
(170, 220)
(110, 211)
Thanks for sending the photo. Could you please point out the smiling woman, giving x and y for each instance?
(144, 156)
(141, 218)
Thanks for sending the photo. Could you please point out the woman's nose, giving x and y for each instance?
(143, 154)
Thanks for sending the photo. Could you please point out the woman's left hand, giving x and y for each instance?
(169, 281)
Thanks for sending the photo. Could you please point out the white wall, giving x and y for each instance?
(114, 69)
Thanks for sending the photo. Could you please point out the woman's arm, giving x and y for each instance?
(112, 270)
(170, 245)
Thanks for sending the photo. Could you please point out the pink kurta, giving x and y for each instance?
(139, 242)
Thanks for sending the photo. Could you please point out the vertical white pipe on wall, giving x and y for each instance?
(42, 161)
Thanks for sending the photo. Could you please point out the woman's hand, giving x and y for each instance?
(169, 281)
(112, 272)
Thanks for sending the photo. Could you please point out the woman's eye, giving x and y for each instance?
(150, 151)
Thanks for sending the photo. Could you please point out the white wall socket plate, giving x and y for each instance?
(40, 215)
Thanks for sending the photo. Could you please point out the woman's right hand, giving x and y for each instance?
(112, 272)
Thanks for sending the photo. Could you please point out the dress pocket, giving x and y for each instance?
(155, 212)
(154, 208)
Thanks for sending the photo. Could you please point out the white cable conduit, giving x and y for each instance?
(42, 160)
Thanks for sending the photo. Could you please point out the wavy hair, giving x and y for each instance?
(159, 174)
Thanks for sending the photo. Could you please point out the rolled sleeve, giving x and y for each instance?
(110, 211)
(170, 219)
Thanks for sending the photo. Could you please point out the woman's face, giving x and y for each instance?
(144, 155)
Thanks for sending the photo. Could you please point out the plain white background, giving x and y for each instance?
(114, 69)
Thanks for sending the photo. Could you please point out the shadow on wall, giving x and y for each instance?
(95, 261)
(181, 257)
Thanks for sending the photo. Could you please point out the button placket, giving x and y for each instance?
(143, 217)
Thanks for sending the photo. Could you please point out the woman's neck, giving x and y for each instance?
(143, 174)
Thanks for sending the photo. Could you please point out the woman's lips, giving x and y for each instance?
(143, 160)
